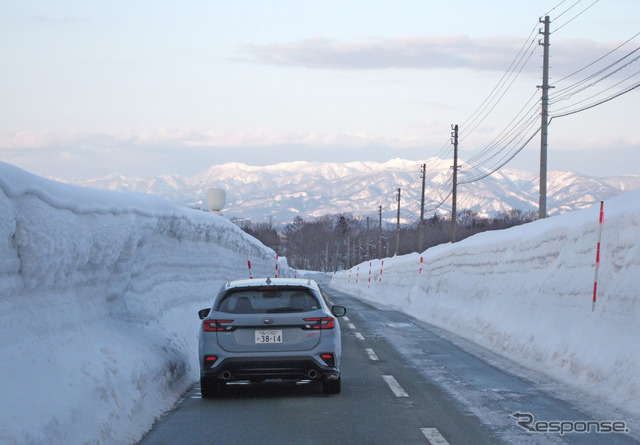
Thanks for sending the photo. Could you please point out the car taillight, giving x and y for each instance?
(217, 325)
(320, 323)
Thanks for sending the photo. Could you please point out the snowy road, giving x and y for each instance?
(403, 382)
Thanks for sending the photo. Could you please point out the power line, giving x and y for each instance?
(508, 130)
(625, 91)
(598, 59)
(502, 95)
(599, 93)
(476, 118)
(554, 8)
(567, 92)
(575, 16)
(567, 10)
(489, 173)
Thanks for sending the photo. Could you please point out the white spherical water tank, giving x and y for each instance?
(216, 199)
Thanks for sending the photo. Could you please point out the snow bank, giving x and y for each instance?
(99, 293)
(526, 293)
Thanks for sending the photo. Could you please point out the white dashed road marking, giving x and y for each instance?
(433, 436)
(372, 355)
(395, 386)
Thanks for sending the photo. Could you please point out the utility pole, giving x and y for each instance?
(542, 209)
(326, 259)
(348, 254)
(454, 136)
(421, 228)
(398, 226)
(380, 232)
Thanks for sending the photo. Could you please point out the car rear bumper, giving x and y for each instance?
(266, 368)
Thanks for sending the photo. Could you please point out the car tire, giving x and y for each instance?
(210, 387)
(331, 386)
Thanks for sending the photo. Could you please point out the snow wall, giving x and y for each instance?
(526, 293)
(99, 293)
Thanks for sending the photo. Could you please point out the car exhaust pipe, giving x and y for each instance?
(312, 374)
(226, 375)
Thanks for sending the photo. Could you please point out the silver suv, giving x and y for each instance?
(273, 328)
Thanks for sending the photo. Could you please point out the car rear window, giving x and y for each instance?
(268, 301)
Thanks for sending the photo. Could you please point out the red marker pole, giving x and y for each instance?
(249, 263)
(595, 281)
(381, 265)
(369, 285)
(420, 272)
(276, 265)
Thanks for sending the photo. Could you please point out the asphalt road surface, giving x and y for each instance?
(403, 382)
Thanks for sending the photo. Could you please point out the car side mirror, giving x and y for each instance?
(339, 311)
(203, 313)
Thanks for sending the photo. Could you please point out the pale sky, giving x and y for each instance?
(148, 87)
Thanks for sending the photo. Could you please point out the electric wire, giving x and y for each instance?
(481, 113)
(601, 92)
(532, 108)
(465, 133)
(568, 92)
(567, 10)
(554, 8)
(598, 59)
(489, 173)
(574, 17)
(605, 100)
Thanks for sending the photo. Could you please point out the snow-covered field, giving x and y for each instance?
(99, 293)
(526, 293)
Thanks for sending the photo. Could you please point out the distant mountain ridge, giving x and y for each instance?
(312, 189)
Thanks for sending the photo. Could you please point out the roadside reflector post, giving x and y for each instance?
(595, 280)
(249, 264)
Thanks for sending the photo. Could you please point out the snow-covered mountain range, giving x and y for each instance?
(312, 189)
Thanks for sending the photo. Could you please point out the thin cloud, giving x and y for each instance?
(437, 52)
(49, 19)
(195, 138)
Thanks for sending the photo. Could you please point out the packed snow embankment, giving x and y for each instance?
(99, 293)
(526, 293)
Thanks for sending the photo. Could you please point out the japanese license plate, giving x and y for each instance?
(264, 336)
